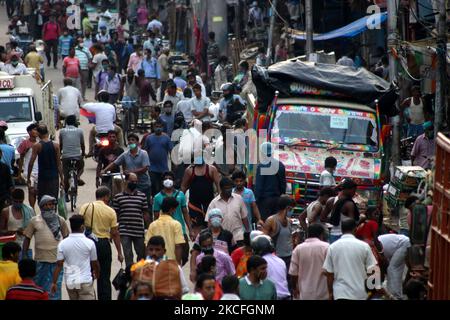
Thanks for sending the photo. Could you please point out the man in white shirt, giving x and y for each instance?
(69, 99)
(105, 115)
(184, 106)
(14, 67)
(200, 104)
(78, 255)
(326, 177)
(348, 264)
(395, 248)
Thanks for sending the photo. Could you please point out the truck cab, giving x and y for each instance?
(311, 111)
(23, 101)
(308, 130)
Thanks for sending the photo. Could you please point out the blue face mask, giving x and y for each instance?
(16, 205)
(143, 298)
(132, 145)
(290, 213)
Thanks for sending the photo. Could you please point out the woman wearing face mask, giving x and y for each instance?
(181, 214)
(279, 228)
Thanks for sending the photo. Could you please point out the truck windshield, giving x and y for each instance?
(15, 109)
(313, 125)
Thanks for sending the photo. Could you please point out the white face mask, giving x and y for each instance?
(168, 183)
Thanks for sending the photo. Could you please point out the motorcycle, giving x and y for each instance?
(101, 141)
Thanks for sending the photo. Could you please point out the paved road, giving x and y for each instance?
(87, 192)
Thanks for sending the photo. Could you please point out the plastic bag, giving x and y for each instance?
(62, 209)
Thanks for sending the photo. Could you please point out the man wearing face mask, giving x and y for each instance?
(15, 218)
(423, 150)
(224, 264)
(168, 118)
(135, 160)
(133, 215)
(279, 228)
(168, 228)
(181, 214)
(158, 146)
(156, 250)
(200, 180)
(233, 208)
(49, 229)
(15, 68)
(85, 57)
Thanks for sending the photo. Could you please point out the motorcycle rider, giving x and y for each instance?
(230, 104)
(105, 115)
(106, 156)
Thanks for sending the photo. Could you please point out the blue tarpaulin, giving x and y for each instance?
(356, 27)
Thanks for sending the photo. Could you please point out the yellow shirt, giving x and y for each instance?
(105, 218)
(168, 228)
(9, 276)
(34, 60)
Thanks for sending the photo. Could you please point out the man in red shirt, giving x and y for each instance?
(27, 289)
(50, 35)
(71, 68)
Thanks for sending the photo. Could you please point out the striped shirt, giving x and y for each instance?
(84, 55)
(26, 290)
(130, 210)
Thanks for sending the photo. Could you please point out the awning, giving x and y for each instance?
(356, 27)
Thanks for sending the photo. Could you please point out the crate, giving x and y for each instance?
(408, 176)
(396, 196)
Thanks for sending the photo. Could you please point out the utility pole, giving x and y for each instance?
(392, 40)
(272, 26)
(441, 112)
(309, 28)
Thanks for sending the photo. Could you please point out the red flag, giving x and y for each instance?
(198, 42)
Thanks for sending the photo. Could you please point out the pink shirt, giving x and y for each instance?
(306, 263)
(135, 61)
(142, 16)
(72, 66)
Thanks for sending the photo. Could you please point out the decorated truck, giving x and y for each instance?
(312, 111)
(24, 101)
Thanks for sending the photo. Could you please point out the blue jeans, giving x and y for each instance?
(44, 278)
(334, 238)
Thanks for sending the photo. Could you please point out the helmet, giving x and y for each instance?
(262, 245)
(226, 86)
(103, 96)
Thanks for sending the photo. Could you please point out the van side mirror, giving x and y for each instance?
(38, 116)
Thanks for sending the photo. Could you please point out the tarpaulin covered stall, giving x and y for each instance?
(294, 78)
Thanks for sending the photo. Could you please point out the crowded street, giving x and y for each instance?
(224, 150)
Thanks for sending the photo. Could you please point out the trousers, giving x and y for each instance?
(127, 244)
(104, 256)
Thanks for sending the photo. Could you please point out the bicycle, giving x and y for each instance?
(73, 184)
(126, 108)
